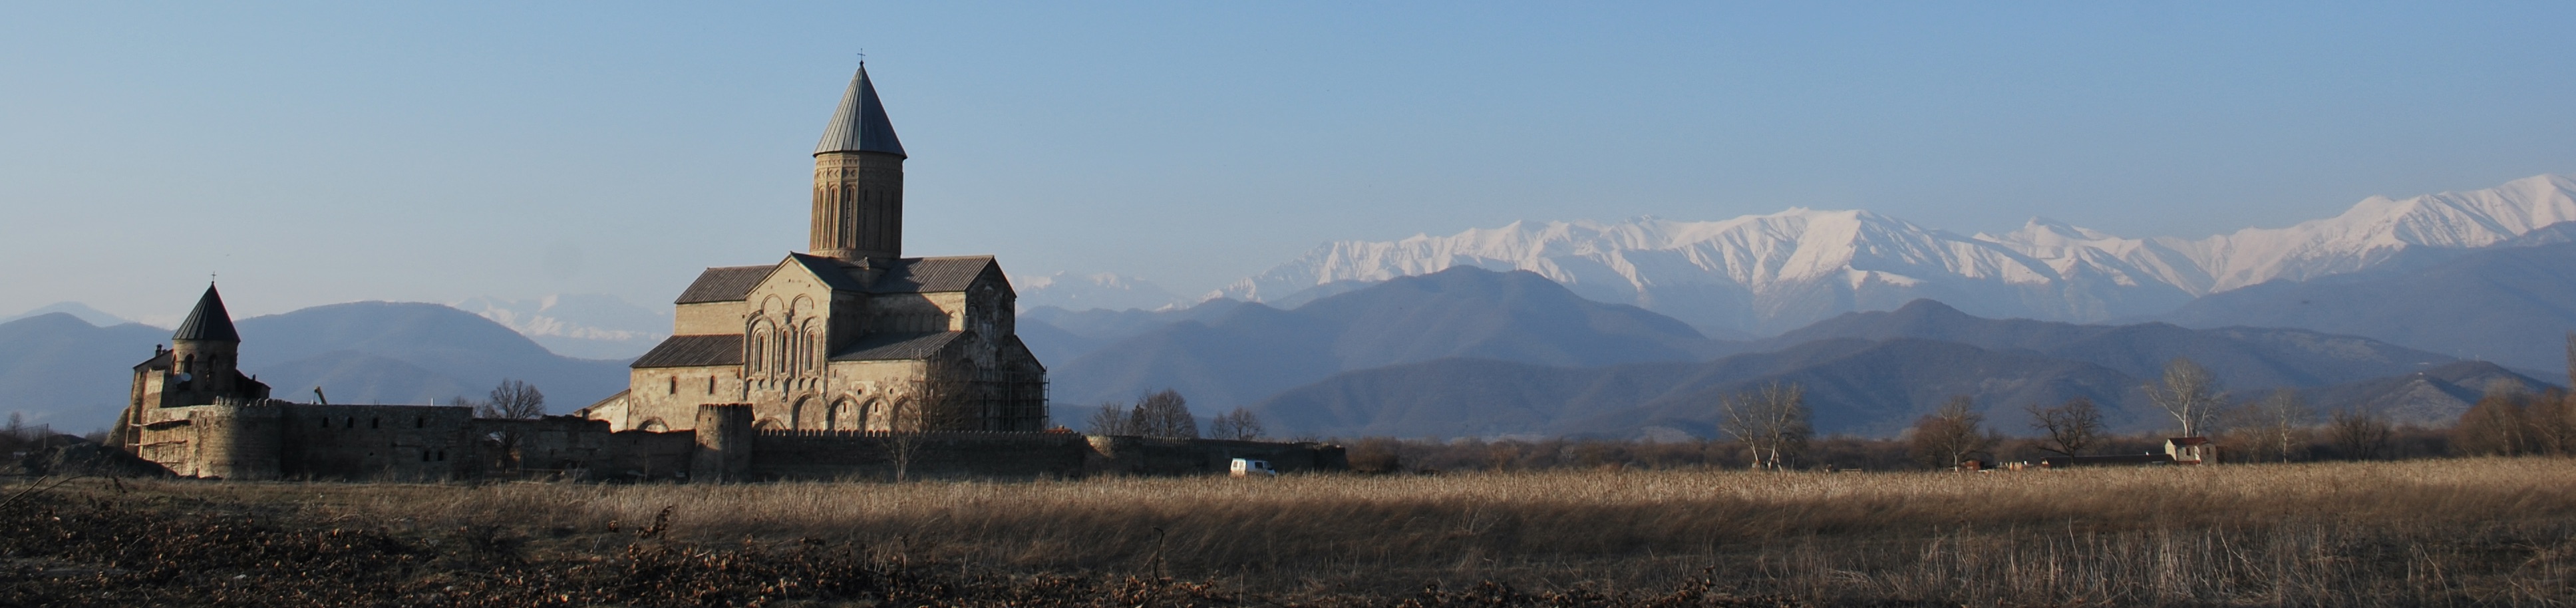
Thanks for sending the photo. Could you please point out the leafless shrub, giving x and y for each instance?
(1237, 424)
(2071, 427)
(1377, 455)
(2361, 434)
(1771, 420)
(2190, 393)
(513, 400)
(1110, 420)
(1949, 436)
(1163, 414)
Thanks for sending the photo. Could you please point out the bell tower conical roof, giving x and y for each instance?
(209, 322)
(860, 125)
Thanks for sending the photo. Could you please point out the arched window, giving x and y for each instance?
(653, 425)
(843, 417)
(813, 351)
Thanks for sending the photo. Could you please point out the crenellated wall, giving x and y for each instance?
(266, 439)
(817, 455)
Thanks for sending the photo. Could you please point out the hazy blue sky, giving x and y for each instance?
(331, 152)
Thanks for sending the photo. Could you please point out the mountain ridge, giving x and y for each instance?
(1764, 274)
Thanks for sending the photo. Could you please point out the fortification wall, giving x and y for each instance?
(645, 456)
(791, 454)
(401, 442)
(230, 440)
(270, 440)
(556, 446)
(1128, 455)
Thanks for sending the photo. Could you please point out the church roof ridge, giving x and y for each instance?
(860, 124)
(832, 272)
(208, 321)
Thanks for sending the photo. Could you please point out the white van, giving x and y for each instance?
(1246, 467)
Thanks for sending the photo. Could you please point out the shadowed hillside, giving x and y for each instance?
(1254, 351)
(56, 369)
(59, 370)
(1853, 386)
(2242, 356)
(2511, 305)
(466, 354)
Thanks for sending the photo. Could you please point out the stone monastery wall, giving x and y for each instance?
(266, 439)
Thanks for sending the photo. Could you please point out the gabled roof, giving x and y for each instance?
(160, 360)
(693, 351)
(208, 321)
(725, 284)
(895, 347)
(860, 125)
(833, 273)
(908, 275)
(930, 275)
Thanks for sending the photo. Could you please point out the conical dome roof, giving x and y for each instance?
(209, 321)
(860, 125)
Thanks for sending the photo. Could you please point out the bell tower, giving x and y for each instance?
(858, 180)
(203, 353)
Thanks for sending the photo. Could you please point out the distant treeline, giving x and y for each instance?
(1385, 455)
(1767, 428)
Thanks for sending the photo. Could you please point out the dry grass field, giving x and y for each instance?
(2432, 532)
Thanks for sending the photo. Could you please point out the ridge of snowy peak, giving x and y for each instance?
(2075, 251)
(2046, 232)
(2379, 228)
(1764, 272)
(1795, 245)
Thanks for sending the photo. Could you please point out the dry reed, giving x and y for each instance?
(2486, 531)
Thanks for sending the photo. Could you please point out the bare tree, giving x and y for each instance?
(2274, 422)
(1947, 436)
(2071, 426)
(2190, 393)
(2500, 424)
(511, 400)
(2551, 422)
(514, 400)
(1110, 420)
(1163, 414)
(1239, 424)
(2360, 434)
(935, 403)
(1770, 420)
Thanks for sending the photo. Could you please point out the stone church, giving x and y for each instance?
(850, 335)
(823, 365)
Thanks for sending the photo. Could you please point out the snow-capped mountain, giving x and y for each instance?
(2373, 231)
(591, 326)
(1089, 291)
(1767, 273)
